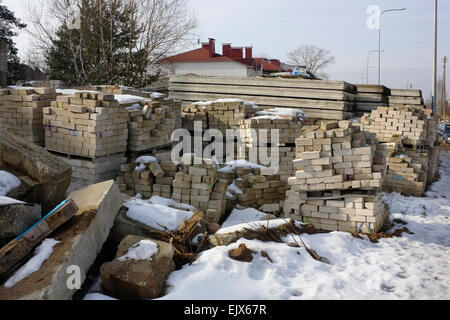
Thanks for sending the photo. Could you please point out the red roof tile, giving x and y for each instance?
(197, 55)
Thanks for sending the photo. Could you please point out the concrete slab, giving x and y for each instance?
(81, 240)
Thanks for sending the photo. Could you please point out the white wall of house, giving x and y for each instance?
(222, 68)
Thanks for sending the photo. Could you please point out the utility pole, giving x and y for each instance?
(434, 81)
(444, 86)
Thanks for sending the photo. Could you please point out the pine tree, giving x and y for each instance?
(9, 26)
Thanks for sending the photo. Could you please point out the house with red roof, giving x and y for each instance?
(233, 62)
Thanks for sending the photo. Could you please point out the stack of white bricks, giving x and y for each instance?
(221, 114)
(198, 185)
(21, 112)
(337, 185)
(152, 124)
(409, 132)
(248, 187)
(148, 176)
(86, 124)
(337, 156)
(262, 131)
(402, 122)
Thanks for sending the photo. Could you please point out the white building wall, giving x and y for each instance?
(222, 68)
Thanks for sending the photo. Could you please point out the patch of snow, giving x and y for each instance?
(157, 95)
(171, 203)
(71, 92)
(5, 201)
(208, 103)
(234, 190)
(146, 159)
(97, 297)
(8, 182)
(232, 165)
(253, 225)
(143, 250)
(246, 216)
(41, 254)
(133, 107)
(128, 98)
(156, 215)
(281, 113)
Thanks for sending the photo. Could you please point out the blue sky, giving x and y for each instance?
(277, 27)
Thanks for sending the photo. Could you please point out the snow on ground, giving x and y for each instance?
(143, 250)
(8, 182)
(156, 215)
(41, 254)
(414, 266)
(97, 296)
(171, 203)
(5, 201)
(243, 216)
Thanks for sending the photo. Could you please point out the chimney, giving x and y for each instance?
(205, 45)
(249, 52)
(226, 50)
(236, 53)
(212, 47)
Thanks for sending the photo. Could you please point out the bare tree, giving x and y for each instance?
(315, 59)
(152, 29)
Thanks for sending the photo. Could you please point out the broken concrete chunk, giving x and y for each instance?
(52, 175)
(138, 278)
(81, 239)
(17, 218)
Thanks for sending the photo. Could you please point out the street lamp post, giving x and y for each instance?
(434, 80)
(367, 67)
(379, 40)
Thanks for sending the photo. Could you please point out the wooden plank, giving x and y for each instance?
(264, 91)
(290, 83)
(280, 102)
(13, 253)
(406, 93)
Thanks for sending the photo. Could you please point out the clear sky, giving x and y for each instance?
(275, 27)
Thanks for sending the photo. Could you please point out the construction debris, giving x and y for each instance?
(140, 269)
(44, 178)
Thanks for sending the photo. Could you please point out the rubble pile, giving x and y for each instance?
(152, 123)
(336, 164)
(199, 186)
(249, 187)
(21, 112)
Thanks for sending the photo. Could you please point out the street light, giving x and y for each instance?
(368, 57)
(379, 40)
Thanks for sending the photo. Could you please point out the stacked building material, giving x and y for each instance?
(21, 112)
(317, 98)
(86, 172)
(400, 122)
(249, 187)
(339, 170)
(148, 176)
(409, 134)
(405, 96)
(278, 128)
(199, 186)
(369, 97)
(221, 114)
(151, 123)
(86, 124)
(90, 132)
